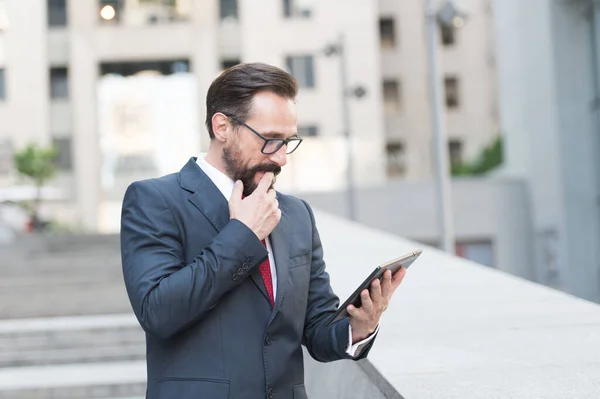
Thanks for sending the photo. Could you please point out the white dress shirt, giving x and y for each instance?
(225, 186)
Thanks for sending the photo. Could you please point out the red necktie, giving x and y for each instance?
(265, 272)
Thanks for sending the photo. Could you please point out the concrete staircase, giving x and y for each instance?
(66, 326)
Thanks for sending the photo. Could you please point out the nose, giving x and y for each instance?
(280, 157)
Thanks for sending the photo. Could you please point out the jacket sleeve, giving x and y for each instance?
(325, 343)
(166, 294)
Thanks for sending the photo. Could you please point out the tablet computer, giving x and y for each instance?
(394, 265)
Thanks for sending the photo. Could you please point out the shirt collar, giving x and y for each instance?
(220, 179)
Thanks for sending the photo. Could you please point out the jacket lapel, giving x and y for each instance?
(207, 198)
(280, 242)
(205, 195)
(258, 280)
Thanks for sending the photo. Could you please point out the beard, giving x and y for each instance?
(237, 170)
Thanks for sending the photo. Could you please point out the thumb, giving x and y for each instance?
(238, 189)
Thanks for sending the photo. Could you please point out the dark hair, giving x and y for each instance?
(232, 92)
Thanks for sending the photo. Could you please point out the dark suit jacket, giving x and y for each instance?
(192, 278)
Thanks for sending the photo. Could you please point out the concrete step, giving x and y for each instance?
(59, 279)
(62, 340)
(98, 354)
(75, 381)
(35, 244)
(64, 300)
(13, 265)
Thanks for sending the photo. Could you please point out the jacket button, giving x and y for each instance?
(245, 266)
(270, 393)
(234, 277)
(268, 340)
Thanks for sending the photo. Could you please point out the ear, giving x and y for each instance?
(221, 127)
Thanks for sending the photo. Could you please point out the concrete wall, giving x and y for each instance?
(24, 116)
(546, 88)
(484, 210)
(576, 93)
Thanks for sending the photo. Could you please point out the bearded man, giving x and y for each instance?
(225, 275)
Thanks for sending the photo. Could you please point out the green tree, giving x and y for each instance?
(39, 165)
(490, 158)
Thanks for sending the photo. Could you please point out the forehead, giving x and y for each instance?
(271, 112)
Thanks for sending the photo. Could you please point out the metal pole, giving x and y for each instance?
(442, 173)
(346, 127)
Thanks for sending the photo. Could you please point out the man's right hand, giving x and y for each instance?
(260, 210)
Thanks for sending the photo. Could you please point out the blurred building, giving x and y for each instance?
(549, 75)
(467, 60)
(538, 216)
(75, 74)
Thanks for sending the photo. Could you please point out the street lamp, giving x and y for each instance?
(448, 16)
(358, 91)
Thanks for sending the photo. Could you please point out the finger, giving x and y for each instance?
(265, 182)
(376, 292)
(275, 206)
(271, 194)
(366, 301)
(353, 311)
(386, 285)
(238, 190)
(397, 279)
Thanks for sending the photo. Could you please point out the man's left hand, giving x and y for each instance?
(364, 320)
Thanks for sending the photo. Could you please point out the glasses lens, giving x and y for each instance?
(292, 145)
(272, 146)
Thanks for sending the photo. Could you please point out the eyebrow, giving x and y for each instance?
(277, 135)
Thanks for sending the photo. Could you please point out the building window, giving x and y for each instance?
(57, 12)
(391, 96)
(455, 148)
(448, 35)
(64, 158)
(59, 83)
(6, 157)
(387, 33)
(226, 64)
(308, 131)
(143, 12)
(297, 9)
(481, 252)
(302, 69)
(229, 9)
(452, 92)
(396, 162)
(2, 85)
(132, 68)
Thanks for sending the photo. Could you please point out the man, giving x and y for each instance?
(225, 275)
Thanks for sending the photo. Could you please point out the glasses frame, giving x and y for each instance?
(267, 140)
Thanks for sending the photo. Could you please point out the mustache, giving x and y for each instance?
(276, 169)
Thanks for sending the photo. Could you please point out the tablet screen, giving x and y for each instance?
(394, 265)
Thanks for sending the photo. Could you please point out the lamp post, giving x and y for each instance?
(339, 49)
(448, 16)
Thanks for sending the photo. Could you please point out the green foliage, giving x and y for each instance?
(39, 164)
(490, 158)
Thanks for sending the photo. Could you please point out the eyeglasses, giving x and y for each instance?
(272, 145)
